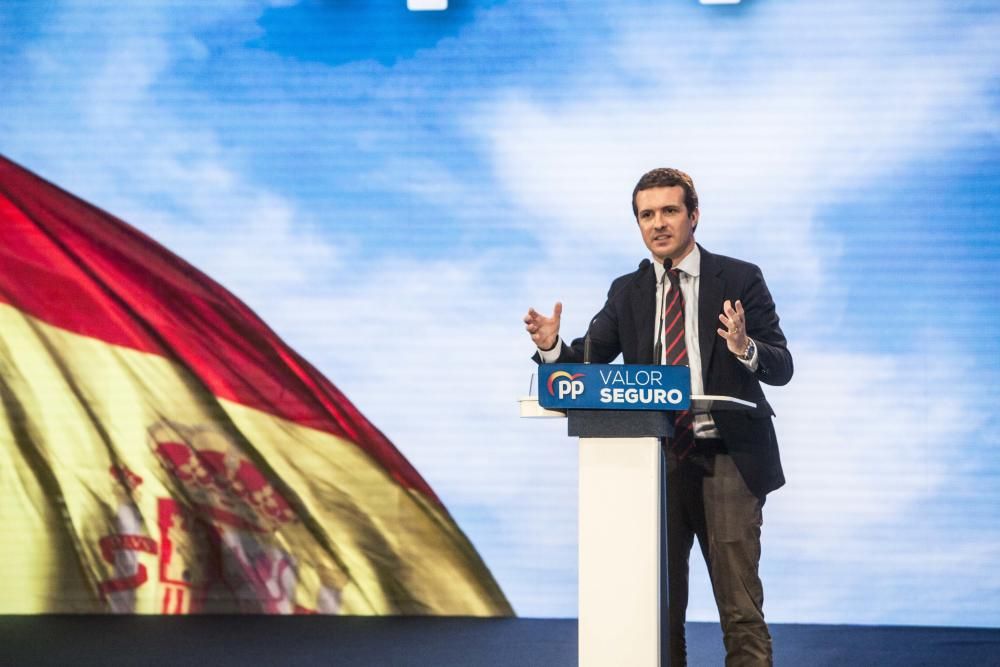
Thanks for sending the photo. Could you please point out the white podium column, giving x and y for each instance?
(620, 556)
(623, 611)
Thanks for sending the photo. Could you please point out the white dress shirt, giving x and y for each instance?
(689, 277)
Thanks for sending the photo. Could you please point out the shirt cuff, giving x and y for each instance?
(551, 356)
(754, 360)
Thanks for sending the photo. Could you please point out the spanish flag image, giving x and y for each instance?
(162, 451)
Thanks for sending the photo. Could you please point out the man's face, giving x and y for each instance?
(666, 227)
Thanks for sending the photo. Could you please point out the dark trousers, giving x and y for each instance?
(707, 498)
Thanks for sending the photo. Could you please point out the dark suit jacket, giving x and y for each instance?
(625, 326)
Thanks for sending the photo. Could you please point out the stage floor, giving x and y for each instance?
(439, 642)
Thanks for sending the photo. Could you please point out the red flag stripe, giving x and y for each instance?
(78, 268)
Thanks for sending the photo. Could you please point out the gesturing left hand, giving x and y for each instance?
(735, 327)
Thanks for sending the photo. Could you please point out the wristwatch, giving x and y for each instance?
(748, 353)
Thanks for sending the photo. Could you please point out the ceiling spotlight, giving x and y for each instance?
(426, 5)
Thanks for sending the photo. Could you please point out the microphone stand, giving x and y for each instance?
(658, 347)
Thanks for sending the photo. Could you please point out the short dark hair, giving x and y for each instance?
(666, 178)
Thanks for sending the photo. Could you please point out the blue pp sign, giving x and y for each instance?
(614, 387)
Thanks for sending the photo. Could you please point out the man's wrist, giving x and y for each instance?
(550, 347)
(748, 350)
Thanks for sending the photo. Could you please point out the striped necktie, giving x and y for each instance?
(676, 355)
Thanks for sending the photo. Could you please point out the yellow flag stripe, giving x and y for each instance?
(174, 500)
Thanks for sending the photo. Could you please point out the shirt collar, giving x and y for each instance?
(690, 265)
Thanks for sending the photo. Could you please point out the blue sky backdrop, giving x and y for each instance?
(391, 190)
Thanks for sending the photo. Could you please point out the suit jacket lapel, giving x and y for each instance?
(644, 311)
(711, 288)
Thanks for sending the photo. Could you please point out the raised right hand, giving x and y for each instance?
(544, 330)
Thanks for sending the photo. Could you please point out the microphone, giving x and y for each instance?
(586, 339)
(658, 347)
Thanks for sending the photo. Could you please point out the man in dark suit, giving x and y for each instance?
(717, 317)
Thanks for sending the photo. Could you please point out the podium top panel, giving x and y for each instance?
(529, 406)
(614, 387)
(707, 402)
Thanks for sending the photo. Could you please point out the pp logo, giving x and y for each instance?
(561, 384)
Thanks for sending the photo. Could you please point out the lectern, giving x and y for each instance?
(622, 548)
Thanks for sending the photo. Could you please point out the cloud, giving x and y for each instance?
(824, 102)
(100, 124)
(856, 421)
